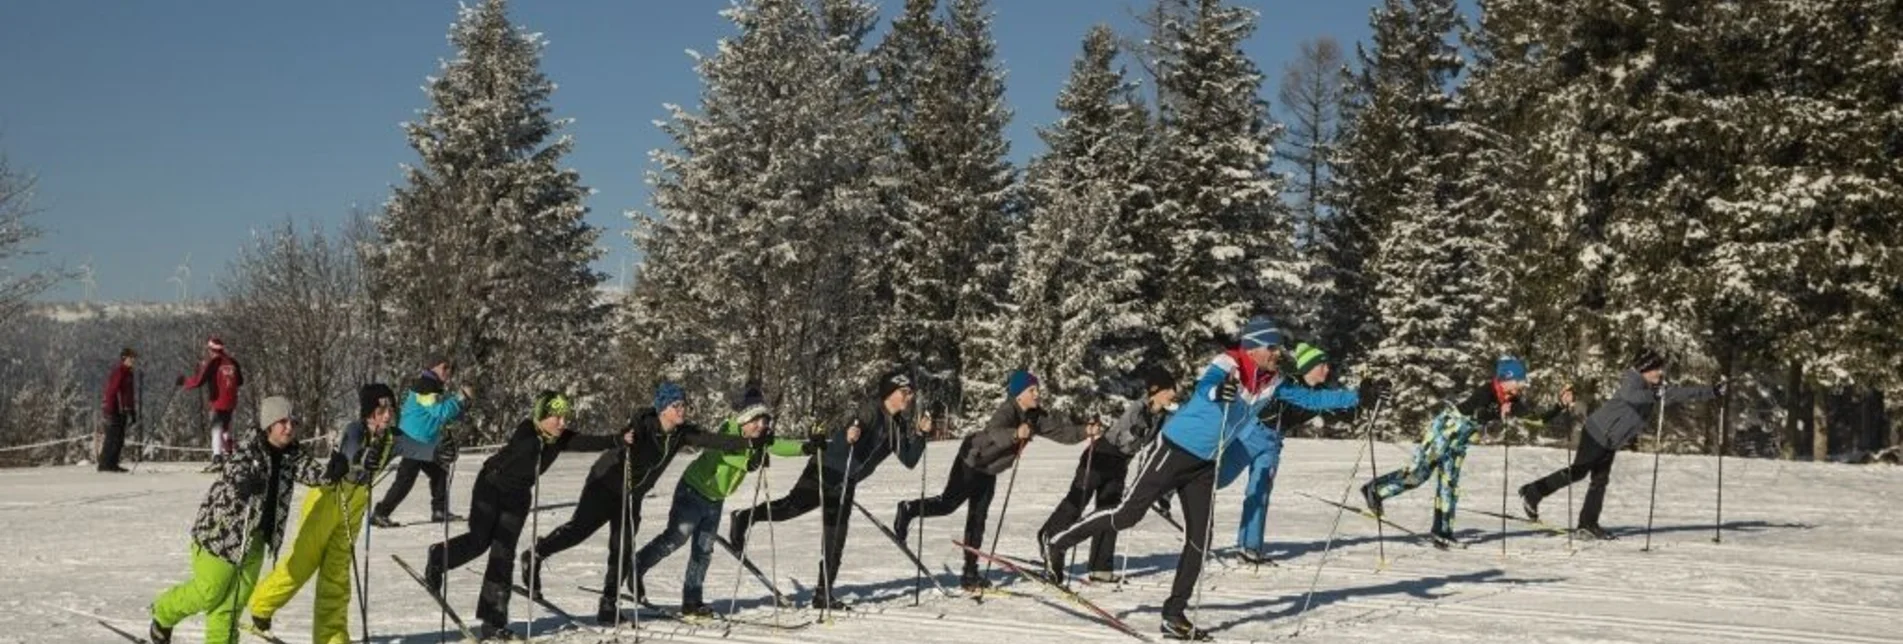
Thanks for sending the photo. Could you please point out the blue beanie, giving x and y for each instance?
(1020, 381)
(1509, 368)
(667, 394)
(1259, 332)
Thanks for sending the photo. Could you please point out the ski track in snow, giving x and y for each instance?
(1809, 554)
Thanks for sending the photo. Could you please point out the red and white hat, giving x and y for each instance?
(215, 344)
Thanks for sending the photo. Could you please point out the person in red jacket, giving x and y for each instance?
(224, 377)
(120, 409)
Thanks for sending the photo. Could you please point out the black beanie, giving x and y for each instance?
(892, 381)
(372, 395)
(1156, 378)
(1648, 360)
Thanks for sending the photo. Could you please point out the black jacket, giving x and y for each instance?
(880, 435)
(652, 451)
(527, 455)
(1484, 408)
(996, 448)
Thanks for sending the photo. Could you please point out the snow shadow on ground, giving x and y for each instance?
(1290, 605)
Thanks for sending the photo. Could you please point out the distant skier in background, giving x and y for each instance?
(221, 376)
(241, 519)
(427, 408)
(120, 410)
(1613, 426)
(1444, 443)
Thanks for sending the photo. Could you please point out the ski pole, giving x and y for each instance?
(1302, 616)
(1209, 524)
(773, 546)
(839, 529)
(1724, 418)
(1085, 488)
(449, 487)
(1572, 455)
(621, 545)
(734, 599)
(1658, 447)
(1380, 530)
(1506, 469)
(998, 533)
(924, 464)
(251, 518)
(535, 516)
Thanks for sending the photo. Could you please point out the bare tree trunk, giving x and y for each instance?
(1793, 411)
(1820, 426)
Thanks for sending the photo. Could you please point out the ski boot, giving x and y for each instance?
(261, 624)
(1596, 532)
(697, 610)
(433, 573)
(737, 531)
(158, 634)
(532, 574)
(1529, 504)
(607, 614)
(902, 521)
(1371, 498)
(383, 521)
(444, 516)
(1177, 627)
(1053, 562)
(1105, 577)
(973, 582)
(822, 602)
(493, 633)
(1255, 558)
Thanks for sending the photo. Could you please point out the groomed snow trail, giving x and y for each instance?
(1811, 553)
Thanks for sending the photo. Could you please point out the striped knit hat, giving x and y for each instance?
(1307, 357)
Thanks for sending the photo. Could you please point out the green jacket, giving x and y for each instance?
(717, 473)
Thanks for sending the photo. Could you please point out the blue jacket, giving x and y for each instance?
(1198, 427)
(426, 409)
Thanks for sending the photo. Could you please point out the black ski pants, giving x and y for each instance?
(1591, 459)
(600, 504)
(1171, 469)
(1100, 474)
(495, 523)
(114, 443)
(834, 501)
(406, 472)
(967, 486)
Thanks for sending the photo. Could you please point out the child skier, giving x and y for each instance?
(985, 455)
(426, 410)
(1105, 464)
(499, 504)
(702, 491)
(1610, 428)
(1294, 403)
(327, 528)
(1444, 443)
(832, 476)
(1220, 416)
(242, 517)
(660, 431)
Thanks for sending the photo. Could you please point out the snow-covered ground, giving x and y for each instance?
(1811, 553)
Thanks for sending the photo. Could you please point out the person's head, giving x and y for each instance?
(1021, 387)
(895, 391)
(214, 347)
(1509, 374)
(753, 420)
(440, 365)
(280, 427)
(551, 413)
(1262, 341)
(127, 356)
(1159, 386)
(670, 402)
(1650, 365)
(1312, 364)
(376, 405)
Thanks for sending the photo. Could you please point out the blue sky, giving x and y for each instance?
(159, 129)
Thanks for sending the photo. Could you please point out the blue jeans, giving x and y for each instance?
(692, 517)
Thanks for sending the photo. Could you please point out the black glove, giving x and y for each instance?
(1373, 389)
(1162, 505)
(814, 443)
(335, 469)
(251, 487)
(760, 442)
(1720, 388)
(1226, 392)
(1033, 416)
(179, 381)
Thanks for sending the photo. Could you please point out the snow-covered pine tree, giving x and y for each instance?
(1086, 263)
(1436, 271)
(486, 253)
(953, 192)
(1231, 240)
(756, 255)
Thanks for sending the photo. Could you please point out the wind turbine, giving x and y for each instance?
(182, 276)
(86, 280)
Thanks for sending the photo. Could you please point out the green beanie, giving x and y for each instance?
(1307, 357)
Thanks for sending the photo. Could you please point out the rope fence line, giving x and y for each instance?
(328, 437)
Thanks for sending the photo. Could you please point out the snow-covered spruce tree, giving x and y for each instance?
(953, 194)
(486, 253)
(1436, 269)
(1231, 240)
(758, 260)
(1086, 264)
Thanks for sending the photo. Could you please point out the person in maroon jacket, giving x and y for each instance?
(224, 377)
(120, 409)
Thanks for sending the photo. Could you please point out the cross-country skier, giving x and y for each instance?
(242, 517)
(659, 432)
(499, 505)
(853, 452)
(221, 377)
(1444, 443)
(1103, 467)
(702, 492)
(1293, 403)
(427, 407)
(1220, 413)
(327, 527)
(1614, 425)
(982, 457)
(120, 409)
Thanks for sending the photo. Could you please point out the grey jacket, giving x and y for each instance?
(1134, 430)
(1619, 421)
(994, 449)
(881, 435)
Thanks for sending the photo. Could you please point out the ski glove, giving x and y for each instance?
(1226, 392)
(251, 487)
(1720, 388)
(1373, 389)
(814, 443)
